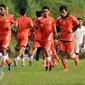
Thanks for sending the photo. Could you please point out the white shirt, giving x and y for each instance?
(79, 33)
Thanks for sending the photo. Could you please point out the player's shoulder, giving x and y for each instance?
(71, 16)
(58, 18)
(39, 18)
(9, 15)
(27, 17)
(51, 18)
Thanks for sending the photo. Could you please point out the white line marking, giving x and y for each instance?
(2, 75)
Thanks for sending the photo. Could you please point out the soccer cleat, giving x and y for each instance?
(46, 68)
(15, 62)
(65, 69)
(23, 65)
(76, 61)
(9, 67)
(50, 68)
(30, 62)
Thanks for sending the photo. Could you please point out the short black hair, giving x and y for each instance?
(38, 13)
(45, 7)
(63, 7)
(79, 19)
(3, 5)
(22, 11)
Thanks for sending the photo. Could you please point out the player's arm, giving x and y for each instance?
(75, 24)
(83, 45)
(58, 27)
(30, 24)
(75, 28)
(36, 24)
(55, 32)
(11, 22)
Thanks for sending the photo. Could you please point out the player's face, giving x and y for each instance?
(63, 13)
(2, 11)
(45, 12)
(80, 22)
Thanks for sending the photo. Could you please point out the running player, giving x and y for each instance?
(6, 22)
(23, 23)
(37, 37)
(68, 25)
(47, 27)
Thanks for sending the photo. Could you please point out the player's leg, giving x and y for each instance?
(32, 55)
(64, 60)
(5, 44)
(22, 42)
(23, 57)
(37, 53)
(71, 53)
(44, 59)
(62, 48)
(54, 52)
(34, 50)
(53, 58)
(47, 46)
(21, 50)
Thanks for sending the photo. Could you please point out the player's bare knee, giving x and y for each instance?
(4, 51)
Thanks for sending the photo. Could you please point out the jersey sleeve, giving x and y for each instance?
(54, 24)
(36, 23)
(30, 23)
(57, 22)
(75, 21)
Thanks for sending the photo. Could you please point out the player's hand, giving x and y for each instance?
(9, 28)
(70, 31)
(83, 45)
(56, 35)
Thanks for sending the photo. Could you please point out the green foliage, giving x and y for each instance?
(76, 6)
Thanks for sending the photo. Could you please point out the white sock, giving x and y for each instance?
(31, 57)
(23, 61)
(73, 55)
(4, 58)
(48, 59)
(18, 58)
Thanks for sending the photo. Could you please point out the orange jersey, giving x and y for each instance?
(37, 32)
(5, 23)
(66, 25)
(46, 27)
(23, 23)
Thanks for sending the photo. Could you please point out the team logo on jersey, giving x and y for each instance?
(50, 22)
(7, 20)
(64, 22)
(67, 21)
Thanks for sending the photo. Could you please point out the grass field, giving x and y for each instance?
(36, 75)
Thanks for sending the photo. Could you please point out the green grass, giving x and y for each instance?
(36, 75)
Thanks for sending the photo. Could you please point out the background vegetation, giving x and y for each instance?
(76, 8)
